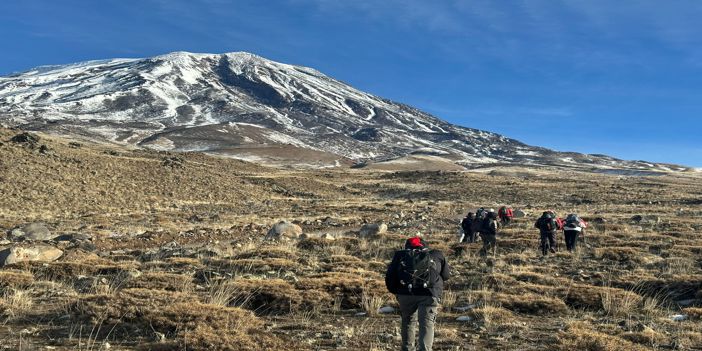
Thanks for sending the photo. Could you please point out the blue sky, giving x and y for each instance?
(622, 77)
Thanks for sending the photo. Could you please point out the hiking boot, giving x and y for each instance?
(552, 250)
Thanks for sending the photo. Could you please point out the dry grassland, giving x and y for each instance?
(178, 259)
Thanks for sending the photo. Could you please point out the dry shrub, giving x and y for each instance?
(498, 281)
(344, 263)
(491, 315)
(648, 337)
(676, 287)
(126, 305)
(15, 280)
(516, 243)
(14, 304)
(542, 279)
(611, 300)
(271, 296)
(580, 336)
(372, 303)
(254, 265)
(182, 263)
(198, 326)
(162, 281)
(688, 340)
(67, 271)
(314, 244)
(448, 300)
(532, 304)
(267, 252)
(694, 313)
(349, 288)
(620, 254)
(678, 265)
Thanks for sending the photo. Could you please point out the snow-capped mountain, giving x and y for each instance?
(245, 106)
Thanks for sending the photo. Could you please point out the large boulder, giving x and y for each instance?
(373, 229)
(519, 214)
(284, 230)
(32, 232)
(39, 252)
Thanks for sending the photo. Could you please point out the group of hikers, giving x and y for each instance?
(417, 273)
(484, 224)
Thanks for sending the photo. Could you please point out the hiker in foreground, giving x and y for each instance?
(573, 226)
(489, 233)
(467, 226)
(416, 276)
(547, 228)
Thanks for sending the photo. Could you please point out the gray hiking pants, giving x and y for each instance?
(424, 309)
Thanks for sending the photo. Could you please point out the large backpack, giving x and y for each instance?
(488, 228)
(572, 221)
(547, 224)
(417, 269)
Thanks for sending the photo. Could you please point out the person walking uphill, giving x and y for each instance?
(547, 228)
(489, 234)
(467, 226)
(506, 214)
(573, 226)
(416, 276)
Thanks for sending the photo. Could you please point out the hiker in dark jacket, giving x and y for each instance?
(547, 228)
(489, 234)
(467, 226)
(572, 228)
(416, 276)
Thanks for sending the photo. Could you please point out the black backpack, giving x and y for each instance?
(417, 269)
(572, 221)
(547, 224)
(487, 226)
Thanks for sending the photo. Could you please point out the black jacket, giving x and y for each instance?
(392, 280)
(467, 225)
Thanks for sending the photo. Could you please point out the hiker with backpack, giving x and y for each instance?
(505, 213)
(416, 276)
(573, 226)
(477, 224)
(489, 233)
(547, 226)
(467, 226)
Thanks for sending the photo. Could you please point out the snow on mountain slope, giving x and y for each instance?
(236, 102)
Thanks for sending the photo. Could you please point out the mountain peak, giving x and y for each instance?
(243, 105)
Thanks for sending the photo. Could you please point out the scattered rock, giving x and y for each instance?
(26, 138)
(373, 229)
(519, 214)
(647, 219)
(464, 308)
(284, 230)
(464, 319)
(75, 145)
(599, 220)
(74, 237)
(386, 309)
(173, 162)
(678, 317)
(327, 236)
(41, 253)
(32, 231)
